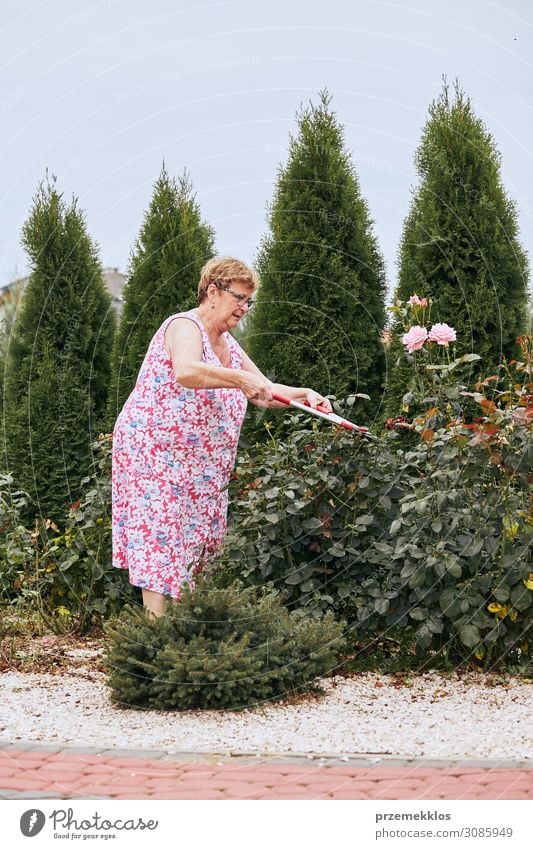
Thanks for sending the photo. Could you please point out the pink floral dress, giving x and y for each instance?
(173, 453)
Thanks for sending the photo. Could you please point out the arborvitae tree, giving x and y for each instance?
(321, 305)
(460, 242)
(58, 365)
(163, 275)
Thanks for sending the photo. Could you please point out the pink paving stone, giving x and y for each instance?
(515, 796)
(462, 770)
(167, 785)
(499, 775)
(504, 787)
(130, 796)
(207, 770)
(379, 773)
(268, 777)
(87, 790)
(326, 786)
(122, 780)
(8, 770)
(27, 765)
(13, 783)
(520, 783)
(15, 754)
(122, 788)
(191, 796)
(405, 782)
(49, 775)
(351, 795)
(143, 773)
(71, 758)
(284, 769)
(194, 784)
(246, 791)
(84, 780)
(360, 785)
(102, 770)
(63, 766)
(270, 795)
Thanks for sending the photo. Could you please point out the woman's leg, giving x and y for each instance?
(154, 602)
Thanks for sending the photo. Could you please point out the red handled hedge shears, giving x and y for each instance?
(333, 418)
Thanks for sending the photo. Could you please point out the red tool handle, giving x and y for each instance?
(321, 413)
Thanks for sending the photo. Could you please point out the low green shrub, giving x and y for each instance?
(218, 648)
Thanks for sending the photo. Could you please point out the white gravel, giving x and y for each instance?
(432, 716)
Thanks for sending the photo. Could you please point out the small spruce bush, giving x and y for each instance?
(218, 648)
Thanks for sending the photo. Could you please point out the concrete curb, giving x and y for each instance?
(324, 759)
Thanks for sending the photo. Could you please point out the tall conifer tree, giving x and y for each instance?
(58, 366)
(460, 242)
(321, 305)
(163, 275)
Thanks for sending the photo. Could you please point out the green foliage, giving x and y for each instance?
(16, 548)
(320, 308)
(434, 539)
(163, 275)
(76, 573)
(58, 365)
(67, 572)
(460, 243)
(217, 648)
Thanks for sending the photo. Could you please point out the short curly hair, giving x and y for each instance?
(224, 269)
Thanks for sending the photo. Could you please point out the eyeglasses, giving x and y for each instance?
(241, 299)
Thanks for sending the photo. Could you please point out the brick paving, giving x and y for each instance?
(34, 771)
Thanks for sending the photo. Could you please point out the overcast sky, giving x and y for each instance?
(99, 92)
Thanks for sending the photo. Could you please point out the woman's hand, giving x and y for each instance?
(317, 401)
(256, 387)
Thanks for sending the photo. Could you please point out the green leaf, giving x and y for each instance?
(294, 578)
(473, 548)
(381, 605)
(453, 567)
(418, 613)
(395, 527)
(312, 524)
(272, 517)
(469, 636)
(469, 358)
(384, 547)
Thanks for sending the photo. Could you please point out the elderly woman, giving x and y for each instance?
(175, 440)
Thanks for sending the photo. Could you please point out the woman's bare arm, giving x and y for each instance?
(295, 393)
(184, 341)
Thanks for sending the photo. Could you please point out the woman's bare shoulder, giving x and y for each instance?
(182, 331)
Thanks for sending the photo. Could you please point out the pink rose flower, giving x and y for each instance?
(442, 334)
(414, 338)
(415, 301)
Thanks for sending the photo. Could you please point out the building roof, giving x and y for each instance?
(113, 279)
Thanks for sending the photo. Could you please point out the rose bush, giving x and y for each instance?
(433, 539)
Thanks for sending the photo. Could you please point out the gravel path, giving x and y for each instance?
(432, 716)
